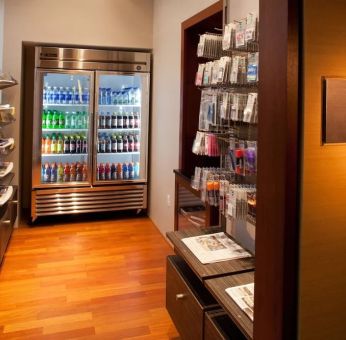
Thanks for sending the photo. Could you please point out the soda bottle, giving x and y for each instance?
(46, 174)
(53, 144)
(136, 144)
(125, 144)
(67, 173)
(63, 95)
(78, 95)
(130, 170)
(73, 122)
(84, 144)
(125, 171)
(114, 143)
(102, 144)
(42, 173)
(49, 120)
(120, 121)
(60, 176)
(137, 95)
(131, 121)
(131, 144)
(79, 120)
(102, 121)
(85, 95)
(66, 144)
(125, 96)
(125, 120)
(119, 171)
(55, 119)
(120, 143)
(60, 144)
(113, 172)
(50, 95)
(44, 96)
(69, 94)
(85, 172)
(101, 172)
(78, 144)
(74, 92)
(109, 96)
(114, 97)
(47, 144)
(73, 172)
(79, 172)
(98, 172)
(108, 120)
(85, 120)
(44, 117)
(72, 144)
(136, 170)
(67, 120)
(131, 96)
(43, 144)
(136, 120)
(53, 173)
(61, 121)
(55, 95)
(114, 120)
(108, 143)
(107, 172)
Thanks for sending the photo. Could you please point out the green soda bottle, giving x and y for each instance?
(44, 117)
(61, 121)
(49, 120)
(55, 120)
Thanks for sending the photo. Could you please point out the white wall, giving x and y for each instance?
(168, 16)
(122, 23)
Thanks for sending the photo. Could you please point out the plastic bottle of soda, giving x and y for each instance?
(74, 92)
(44, 117)
(102, 144)
(108, 142)
(69, 95)
(125, 120)
(107, 172)
(60, 144)
(120, 121)
(46, 174)
(114, 143)
(98, 172)
(125, 171)
(55, 95)
(49, 120)
(43, 144)
(109, 96)
(136, 170)
(73, 172)
(130, 170)
(114, 120)
(67, 172)
(53, 173)
(61, 120)
(78, 144)
(44, 95)
(53, 144)
(136, 120)
(72, 144)
(67, 120)
(113, 172)
(85, 120)
(101, 172)
(108, 120)
(78, 120)
(131, 121)
(55, 119)
(120, 143)
(85, 172)
(102, 120)
(60, 176)
(66, 144)
(73, 122)
(79, 172)
(131, 143)
(47, 144)
(136, 144)
(119, 171)
(42, 173)
(85, 95)
(125, 144)
(84, 144)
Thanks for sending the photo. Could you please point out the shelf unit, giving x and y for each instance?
(8, 208)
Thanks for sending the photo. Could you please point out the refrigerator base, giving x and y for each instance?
(46, 202)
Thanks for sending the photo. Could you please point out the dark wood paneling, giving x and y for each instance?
(277, 223)
(205, 271)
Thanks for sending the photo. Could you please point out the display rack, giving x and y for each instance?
(8, 192)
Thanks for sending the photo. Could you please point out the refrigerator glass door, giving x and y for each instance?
(62, 128)
(121, 127)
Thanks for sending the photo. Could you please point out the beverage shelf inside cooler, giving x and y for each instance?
(118, 153)
(67, 105)
(119, 129)
(63, 154)
(119, 105)
(65, 130)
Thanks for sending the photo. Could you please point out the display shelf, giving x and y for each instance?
(120, 105)
(4, 197)
(5, 169)
(118, 153)
(7, 147)
(118, 129)
(64, 105)
(253, 85)
(6, 115)
(65, 130)
(6, 80)
(63, 154)
(7, 179)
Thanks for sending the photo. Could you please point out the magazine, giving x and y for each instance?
(215, 248)
(243, 296)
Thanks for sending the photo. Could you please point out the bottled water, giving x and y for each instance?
(86, 96)
(55, 95)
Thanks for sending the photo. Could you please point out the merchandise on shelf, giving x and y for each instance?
(119, 171)
(65, 95)
(53, 119)
(124, 96)
(64, 143)
(118, 120)
(59, 173)
(113, 143)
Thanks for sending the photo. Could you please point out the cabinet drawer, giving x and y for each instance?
(218, 326)
(186, 299)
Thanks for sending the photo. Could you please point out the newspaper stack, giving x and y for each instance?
(243, 296)
(215, 248)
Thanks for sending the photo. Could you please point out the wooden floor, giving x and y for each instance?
(92, 280)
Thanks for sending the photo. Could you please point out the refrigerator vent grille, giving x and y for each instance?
(89, 201)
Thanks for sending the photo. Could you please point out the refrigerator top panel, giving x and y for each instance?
(92, 59)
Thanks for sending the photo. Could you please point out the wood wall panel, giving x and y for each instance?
(323, 219)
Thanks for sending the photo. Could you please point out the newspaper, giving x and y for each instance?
(243, 296)
(215, 248)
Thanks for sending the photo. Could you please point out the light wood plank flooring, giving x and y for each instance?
(88, 280)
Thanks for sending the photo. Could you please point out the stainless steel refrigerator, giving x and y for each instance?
(88, 110)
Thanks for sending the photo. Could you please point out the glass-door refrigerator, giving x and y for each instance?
(85, 130)
(121, 128)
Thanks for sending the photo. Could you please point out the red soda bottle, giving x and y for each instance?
(79, 172)
(101, 172)
(67, 172)
(107, 172)
(85, 172)
(73, 172)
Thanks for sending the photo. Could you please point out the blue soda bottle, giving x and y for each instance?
(125, 171)
(85, 96)
(46, 173)
(69, 94)
(131, 170)
(109, 96)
